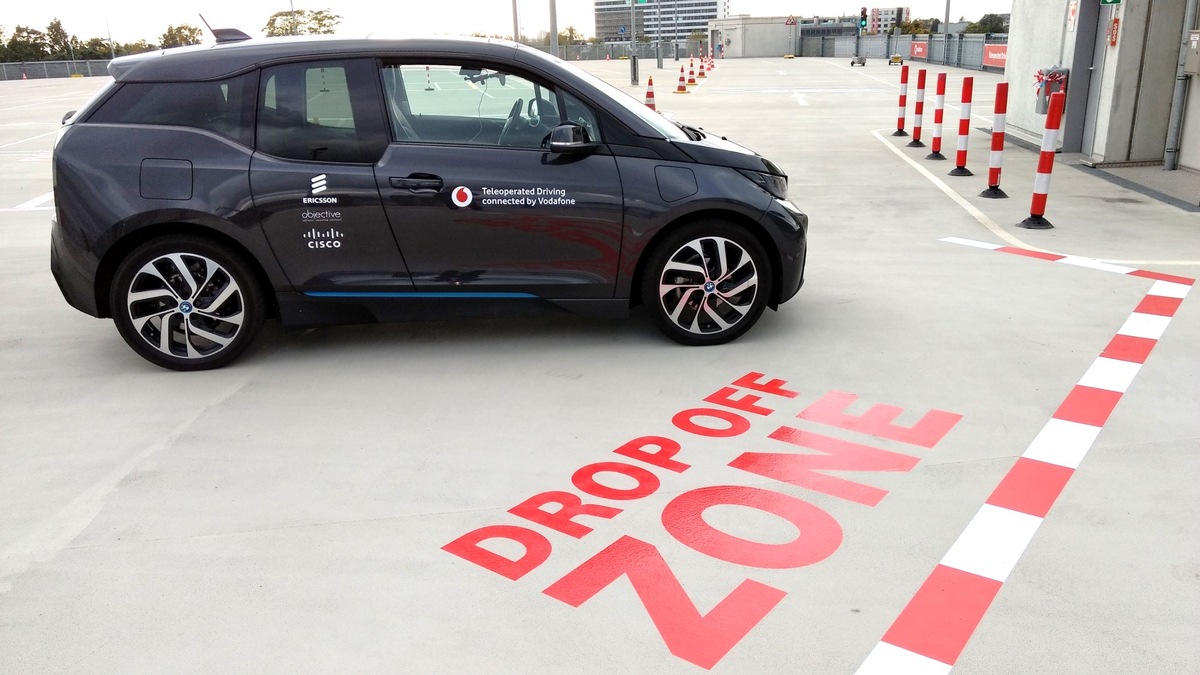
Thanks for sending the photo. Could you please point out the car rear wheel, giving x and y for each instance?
(186, 303)
(707, 283)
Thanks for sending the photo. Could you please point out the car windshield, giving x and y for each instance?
(661, 124)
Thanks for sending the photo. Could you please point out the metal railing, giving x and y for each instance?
(40, 70)
(644, 50)
(964, 50)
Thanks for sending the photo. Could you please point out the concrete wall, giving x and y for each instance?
(1133, 99)
(1037, 38)
(1189, 147)
(756, 36)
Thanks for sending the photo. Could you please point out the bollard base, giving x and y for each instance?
(935, 155)
(994, 192)
(915, 144)
(899, 132)
(961, 171)
(1035, 223)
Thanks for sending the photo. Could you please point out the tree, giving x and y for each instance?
(134, 48)
(61, 45)
(93, 49)
(990, 23)
(180, 36)
(27, 44)
(301, 22)
(914, 27)
(935, 25)
(570, 36)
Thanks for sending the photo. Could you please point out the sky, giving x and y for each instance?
(144, 19)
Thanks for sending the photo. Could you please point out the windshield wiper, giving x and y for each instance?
(693, 133)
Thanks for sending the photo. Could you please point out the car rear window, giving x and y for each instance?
(224, 107)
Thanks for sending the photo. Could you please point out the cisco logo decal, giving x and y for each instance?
(462, 196)
(318, 186)
(330, 238)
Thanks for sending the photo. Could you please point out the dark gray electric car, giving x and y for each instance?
(348, 181)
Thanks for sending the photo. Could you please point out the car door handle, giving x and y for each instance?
(417, 183)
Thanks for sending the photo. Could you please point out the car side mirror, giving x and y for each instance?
(569, 138)
(68, 116)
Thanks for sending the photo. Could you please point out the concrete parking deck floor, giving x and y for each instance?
(312, 508)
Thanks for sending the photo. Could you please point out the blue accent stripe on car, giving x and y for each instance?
(382, 294)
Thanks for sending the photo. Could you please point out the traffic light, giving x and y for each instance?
(862, 19)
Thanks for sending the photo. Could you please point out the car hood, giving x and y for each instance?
(719, 151)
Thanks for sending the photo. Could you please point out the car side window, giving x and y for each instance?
(321, 111)
(467, 104)
(223, 107)
(579, 113)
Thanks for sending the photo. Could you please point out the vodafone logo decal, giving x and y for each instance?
(462, 196)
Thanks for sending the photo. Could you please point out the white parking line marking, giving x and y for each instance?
(1063, 443)
(1110, 374)
(1169, 289)
(26, 140)
(1145, 326)
(888, 659)
(35, 202)
(992, 542)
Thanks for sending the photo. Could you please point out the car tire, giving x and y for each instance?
(207, 297)
(707, 283)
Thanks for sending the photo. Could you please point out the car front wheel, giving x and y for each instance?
(707, 283)
(186, 303)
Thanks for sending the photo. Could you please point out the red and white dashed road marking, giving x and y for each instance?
(933, 629)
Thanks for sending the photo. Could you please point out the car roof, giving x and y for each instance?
(209, 62)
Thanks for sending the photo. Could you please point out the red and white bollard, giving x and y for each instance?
(903, 103)
(996, 160)
(428, 82)
(939, 108)
(1041, 182)
(964, 130)
(918, 111)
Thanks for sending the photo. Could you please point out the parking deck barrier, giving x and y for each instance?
(918, 111)
(903, 103)
(964, 130)
(939, 108)
(996, 159)
(1041, 182)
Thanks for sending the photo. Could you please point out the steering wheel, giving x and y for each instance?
(511, 122)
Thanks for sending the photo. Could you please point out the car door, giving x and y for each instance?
(320, 129)
(475, 202)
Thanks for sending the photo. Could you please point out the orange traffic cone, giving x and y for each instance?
(682, 88)
(608, 57)
(691, 75)
(701, 74)
(24, 76)
(650, 93)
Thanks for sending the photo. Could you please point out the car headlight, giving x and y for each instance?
(776, 186)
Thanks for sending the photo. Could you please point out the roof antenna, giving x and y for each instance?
(224, 35)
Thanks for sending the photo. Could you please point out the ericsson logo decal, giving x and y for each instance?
(319, 186)
(330, 238)
(462, 196)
